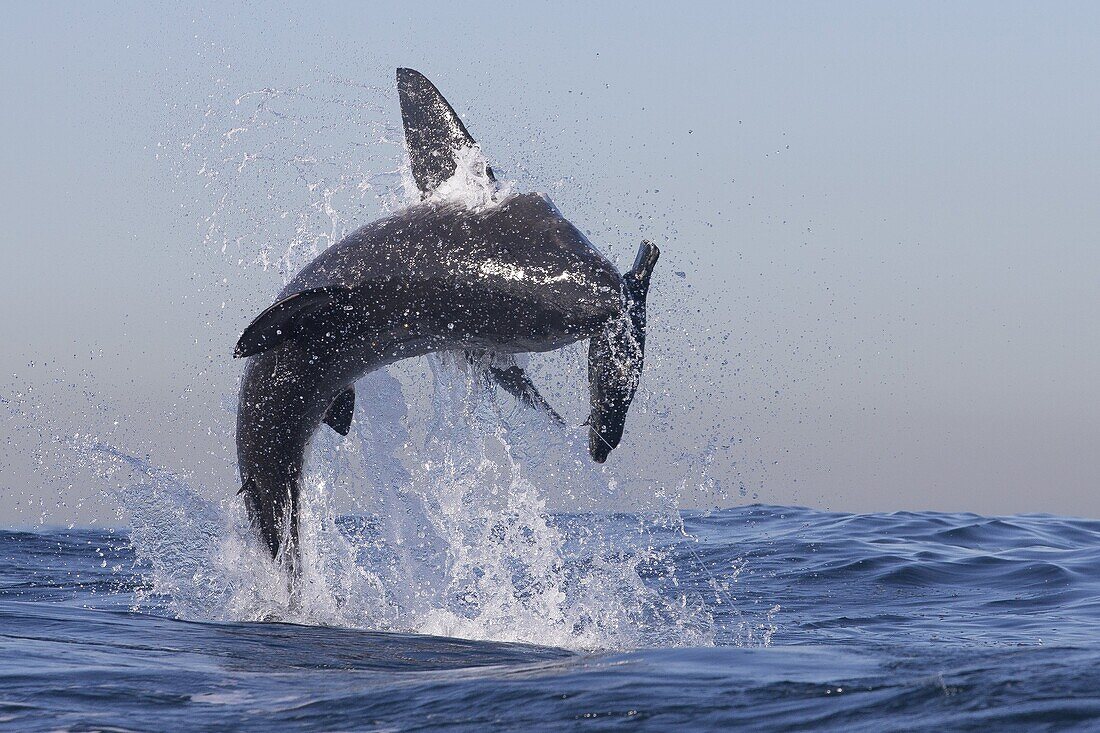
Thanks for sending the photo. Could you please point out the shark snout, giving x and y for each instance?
(593, 298)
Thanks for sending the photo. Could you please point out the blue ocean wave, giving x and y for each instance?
(822, 620)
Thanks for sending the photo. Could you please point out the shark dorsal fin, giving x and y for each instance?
(434, 134)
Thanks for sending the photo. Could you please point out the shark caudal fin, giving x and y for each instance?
(615, 359)
(434, 134)
(274, 516)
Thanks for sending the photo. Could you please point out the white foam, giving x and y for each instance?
(471, 186)
(453, 534)
(461, 543)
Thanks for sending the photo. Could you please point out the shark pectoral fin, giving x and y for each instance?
(516, 382)
(502, 369)
(616, 357)
(434, 134)
(341, 411)
(285, 320)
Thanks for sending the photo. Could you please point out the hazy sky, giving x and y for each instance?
(885, 218)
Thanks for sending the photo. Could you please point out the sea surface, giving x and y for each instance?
(817, 621)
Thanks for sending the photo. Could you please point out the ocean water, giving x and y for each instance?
(817, 620)
(460, 568)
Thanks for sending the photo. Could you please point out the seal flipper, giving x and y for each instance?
(287, 319)
(339, 414)
(616, 357)
(434, 134)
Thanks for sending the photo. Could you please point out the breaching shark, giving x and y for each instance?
(511, 277)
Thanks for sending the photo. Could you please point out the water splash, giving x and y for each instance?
(462, 544)
(433, 515)
(471, 186)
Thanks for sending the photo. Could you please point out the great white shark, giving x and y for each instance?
(510, 277)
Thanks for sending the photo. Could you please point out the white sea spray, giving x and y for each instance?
(434, 515)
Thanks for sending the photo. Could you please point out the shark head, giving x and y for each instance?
(611, 306)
